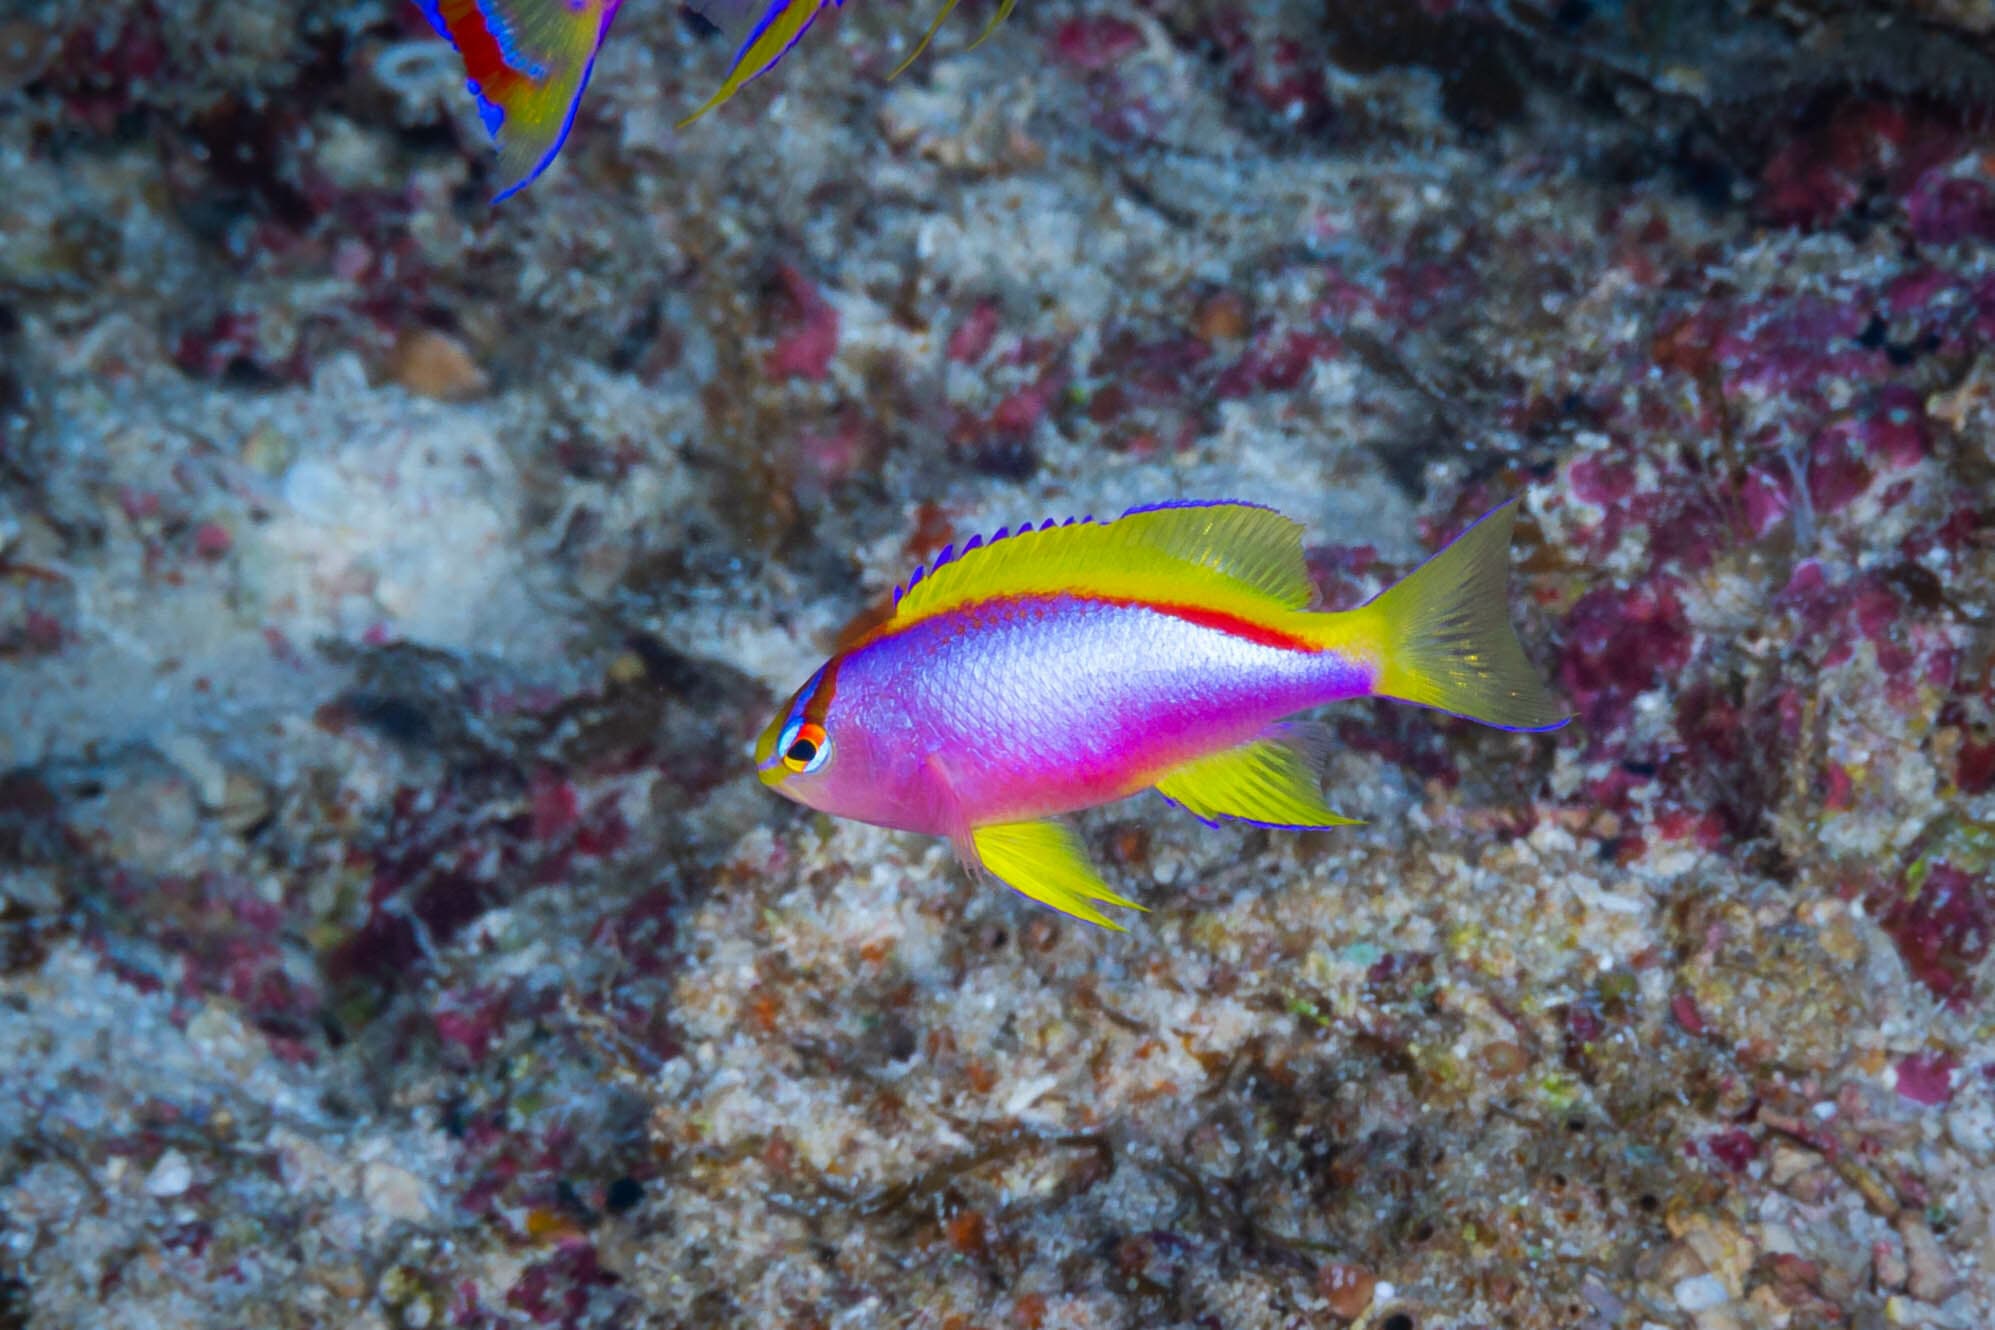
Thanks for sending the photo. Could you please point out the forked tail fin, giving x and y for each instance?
(1444, 639)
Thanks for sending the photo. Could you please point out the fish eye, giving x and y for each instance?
(804, 746)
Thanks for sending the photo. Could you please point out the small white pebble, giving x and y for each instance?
(394, 1192)
(1700, 1293)
(1028, 1094)
(171, 1176)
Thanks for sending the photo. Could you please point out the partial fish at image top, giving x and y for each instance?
(528, 61)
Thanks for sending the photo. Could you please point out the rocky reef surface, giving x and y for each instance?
(392, 935)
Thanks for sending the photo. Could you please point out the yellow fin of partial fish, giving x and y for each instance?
(1004, 12)
(1443, 639)
(1229, 556)
(1044, 860)
(1265, 781)
(766, 45)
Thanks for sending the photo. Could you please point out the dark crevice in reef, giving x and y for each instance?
(1708, 89)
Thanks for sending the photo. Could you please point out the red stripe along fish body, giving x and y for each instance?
(1054, 668)
(528, 62)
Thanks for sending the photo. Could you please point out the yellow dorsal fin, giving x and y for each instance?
(1225, 555)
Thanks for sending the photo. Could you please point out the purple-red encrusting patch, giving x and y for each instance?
(1927, 1078)
(1735, 1149)
(1619, 644)
(1942, 928)
(809, 339)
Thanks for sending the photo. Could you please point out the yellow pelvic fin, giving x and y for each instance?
(1264, 781)
(765, 50)
(1443, 639)
(1004, 11)
(1044, 860)
(1237, 557)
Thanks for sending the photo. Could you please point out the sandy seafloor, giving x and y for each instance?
(391, 932)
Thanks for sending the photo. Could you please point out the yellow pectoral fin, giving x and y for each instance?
(1265, 781)
(1044, 860)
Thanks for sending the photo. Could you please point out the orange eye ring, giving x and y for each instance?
(804, 746)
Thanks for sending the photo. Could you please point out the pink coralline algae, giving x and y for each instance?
(1620, 644)
(1275, 361)
(972, 337)
(1735, 1149)
(809, 340)
(1942, 924)
(1272, 73)
(1094, 44)
(230, 943)
(1911, 648)
(558, 1290)
(1927, 1078)
(1816, 179)
(1951, 211)
(1849, 457)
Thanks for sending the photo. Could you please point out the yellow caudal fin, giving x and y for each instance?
(1267, 782)
(1443, 637)
(1044, 860)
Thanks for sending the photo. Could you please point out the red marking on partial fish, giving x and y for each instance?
(484, 59)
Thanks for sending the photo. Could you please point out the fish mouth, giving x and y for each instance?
(768, 765)
(778, 784)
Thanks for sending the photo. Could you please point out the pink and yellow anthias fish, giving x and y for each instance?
(528, 61)
(1054, 668)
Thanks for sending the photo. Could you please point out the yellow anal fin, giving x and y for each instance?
(1264, 781)
(1044, 860)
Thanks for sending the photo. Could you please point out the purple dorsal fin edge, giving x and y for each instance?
(951, 553)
